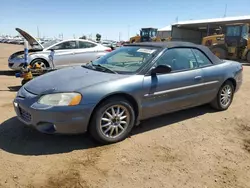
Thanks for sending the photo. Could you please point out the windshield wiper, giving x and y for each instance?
(104, 68)
(87, 66)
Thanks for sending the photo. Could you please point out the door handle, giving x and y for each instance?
(198, 77)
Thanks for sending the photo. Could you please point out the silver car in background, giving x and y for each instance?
(57, 53)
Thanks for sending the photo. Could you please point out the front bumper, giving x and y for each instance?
(52, 120)
(15, 64)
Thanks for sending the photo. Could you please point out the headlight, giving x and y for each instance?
(61, 99)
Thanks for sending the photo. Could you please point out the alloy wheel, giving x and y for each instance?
(226, 95)
(114, 121)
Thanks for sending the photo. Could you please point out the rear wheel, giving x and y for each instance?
(219, 52)
(224, 97)
(112, 121)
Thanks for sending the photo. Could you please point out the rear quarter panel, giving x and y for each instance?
(219, 73)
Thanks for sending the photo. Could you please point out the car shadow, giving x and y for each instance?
(171, 118)
(12, 88)
(7, 72)
(17, 138)
(245, 64)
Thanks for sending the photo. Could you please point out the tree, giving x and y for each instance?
(98, 37)
(83, 37)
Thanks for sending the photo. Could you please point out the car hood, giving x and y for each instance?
(31, 40)
(68, 80)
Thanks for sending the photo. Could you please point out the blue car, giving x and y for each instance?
(110, 95)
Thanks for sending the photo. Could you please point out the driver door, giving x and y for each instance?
(64, 54)
(179, 89)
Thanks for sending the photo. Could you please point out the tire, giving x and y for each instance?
(248, 57)
(40, 61)
(108, 133)
(219, 52)
(217, 103)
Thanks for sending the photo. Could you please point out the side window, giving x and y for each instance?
(201, 58)
(65, 45)
(86, 44)
(179, 59)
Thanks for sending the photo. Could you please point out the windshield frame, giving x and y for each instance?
(51, 43)
(141, 68)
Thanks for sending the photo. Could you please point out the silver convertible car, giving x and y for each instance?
(138, 81)
(57, 54)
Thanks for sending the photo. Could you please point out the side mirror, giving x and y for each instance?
(161, 69)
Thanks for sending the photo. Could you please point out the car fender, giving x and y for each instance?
(40, 55)
(132, 88)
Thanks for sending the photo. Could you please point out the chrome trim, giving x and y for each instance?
(180, 88)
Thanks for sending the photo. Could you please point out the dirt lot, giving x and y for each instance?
(192, 148)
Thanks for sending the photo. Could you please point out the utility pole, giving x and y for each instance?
(128, 31)
(225, 13)
(176, 19)
(38, 34)
(119, 36)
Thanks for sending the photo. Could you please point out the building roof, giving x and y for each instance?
(204, 22)
(216, 20)
(167, 28)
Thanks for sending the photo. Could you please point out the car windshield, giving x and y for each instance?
(145, 33)
(50, 43)
(126, 60)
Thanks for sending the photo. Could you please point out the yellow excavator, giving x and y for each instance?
(234, 44)
(146, 35)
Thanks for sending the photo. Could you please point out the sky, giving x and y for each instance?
(113, 19)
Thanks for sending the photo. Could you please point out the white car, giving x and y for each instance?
(57, 53)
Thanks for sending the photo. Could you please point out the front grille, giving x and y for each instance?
(26, 116)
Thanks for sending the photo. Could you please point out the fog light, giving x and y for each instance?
(46, 127)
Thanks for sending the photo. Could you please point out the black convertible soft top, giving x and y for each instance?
(176, 44)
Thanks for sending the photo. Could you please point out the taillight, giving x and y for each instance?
(108, 50)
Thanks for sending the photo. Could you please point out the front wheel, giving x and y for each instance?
(224, 97)
(43, 64)
(112, 121)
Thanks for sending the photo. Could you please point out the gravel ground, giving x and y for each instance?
(193, 148)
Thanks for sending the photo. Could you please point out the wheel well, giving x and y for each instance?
(44, 60)
(128, 97)
(233, 82)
